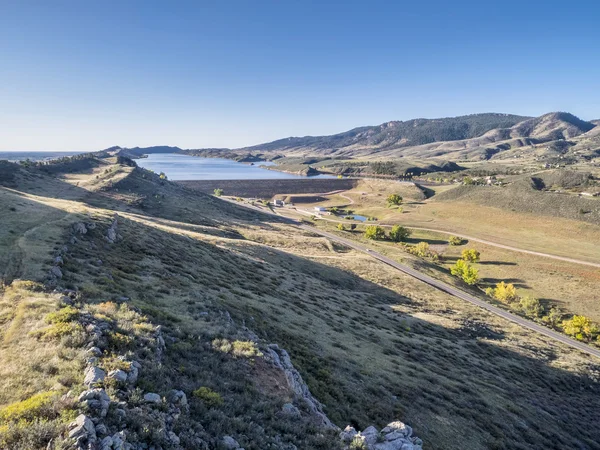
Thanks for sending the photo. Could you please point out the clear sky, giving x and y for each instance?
(86, 75)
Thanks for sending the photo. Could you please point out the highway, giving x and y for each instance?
(440, 285)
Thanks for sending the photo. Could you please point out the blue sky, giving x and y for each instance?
(85, 75)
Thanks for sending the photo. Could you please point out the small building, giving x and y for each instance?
(278, 203)
(320, 209)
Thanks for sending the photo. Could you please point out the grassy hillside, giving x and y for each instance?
(193, 290)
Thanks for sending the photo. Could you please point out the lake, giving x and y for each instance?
(184, 167)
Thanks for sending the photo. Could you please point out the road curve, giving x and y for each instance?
(442, 286)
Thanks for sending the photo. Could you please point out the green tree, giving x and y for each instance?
(470, 255)
(399, 233)
(581, 328)
(531, 306)
(218, 192)
(374, 232)
(394, 199)
(353, 226)
(163, 176)
(553, 318)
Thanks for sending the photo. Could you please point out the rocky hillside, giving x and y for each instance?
(135, 314)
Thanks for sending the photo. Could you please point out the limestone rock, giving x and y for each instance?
(395, 436)
(120, 376)
(290, 410)
(230, 443)
(281, 359)
(93, 375)
(151, 397)
(177, 398)
(80, 228)
(94, 351)
(112, 233)
(348, 434)
(134, 371)
(83, 431)
(96, 401)
(55, 272)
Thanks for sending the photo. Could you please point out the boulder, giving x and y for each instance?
(151, 397)
(178, 398)
(134, 371)
(58, 261)
(173, 438)
(96, 401)
(94, 351)
(288, 409)
(120, 376)
(348, 434)
(370, 434)
(80, 228)
(83, 431)
(93, 375)
(55, 272)
(230, 443)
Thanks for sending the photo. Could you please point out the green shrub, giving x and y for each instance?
(57, 331)
(64, 315)
(210, 398)
(37, 406)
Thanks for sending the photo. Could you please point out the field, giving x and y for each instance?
(373, 345)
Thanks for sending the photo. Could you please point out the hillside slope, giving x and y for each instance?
(162, 315)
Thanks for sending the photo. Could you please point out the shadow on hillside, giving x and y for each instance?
(497, 263)
(518, 282)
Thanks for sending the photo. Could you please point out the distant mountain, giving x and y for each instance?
(473, 137)
(136, 152)
(397, 134)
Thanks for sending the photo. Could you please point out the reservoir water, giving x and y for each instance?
(184, 167)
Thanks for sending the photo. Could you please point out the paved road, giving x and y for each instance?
(443, 286)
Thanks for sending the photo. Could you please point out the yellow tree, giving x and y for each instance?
(470, 255)
(505, 292)
(581, 328)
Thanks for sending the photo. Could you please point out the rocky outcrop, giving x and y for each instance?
(93, 375)
(281, 359)
(394, 436)
(83, 432)
(112, 233)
